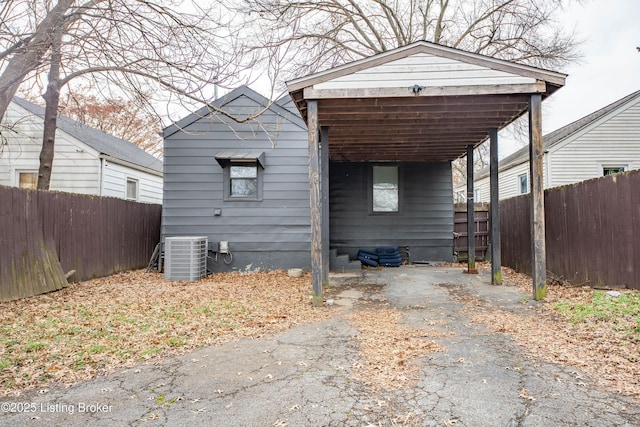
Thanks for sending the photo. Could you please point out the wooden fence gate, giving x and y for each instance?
(481, 220)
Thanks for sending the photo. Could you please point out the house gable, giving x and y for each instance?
(236, 107)
(76, 166)
(434, 69)
(266, 231)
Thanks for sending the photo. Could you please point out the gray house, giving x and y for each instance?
(242, 183)
(248, 184)
(360, 159)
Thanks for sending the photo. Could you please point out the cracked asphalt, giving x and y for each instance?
(303, 376)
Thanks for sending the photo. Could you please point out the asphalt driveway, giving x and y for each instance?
(303, 377)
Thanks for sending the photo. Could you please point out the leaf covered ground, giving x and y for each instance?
(96, 327)
(576, 326)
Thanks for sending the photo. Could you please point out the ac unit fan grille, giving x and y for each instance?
(185, 258)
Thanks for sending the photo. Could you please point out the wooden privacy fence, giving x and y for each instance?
(592, 232)
(46, 234)
(481, 227)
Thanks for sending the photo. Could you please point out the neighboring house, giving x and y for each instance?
(243, 183)
(604, 142)
(86, 160)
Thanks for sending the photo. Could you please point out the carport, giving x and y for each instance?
(422, 102)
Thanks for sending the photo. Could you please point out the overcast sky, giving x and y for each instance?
(609, 70)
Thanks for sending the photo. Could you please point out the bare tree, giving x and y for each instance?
(123, 48)
(24, 43)
(332, 32)
(123, 118)
(323, 34)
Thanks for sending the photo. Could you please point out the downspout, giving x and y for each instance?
(100, 177)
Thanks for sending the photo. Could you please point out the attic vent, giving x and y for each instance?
(185, 258)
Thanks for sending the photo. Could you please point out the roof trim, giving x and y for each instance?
(226, 99)
(227, 156)
(102, 143)
(553, 77)
(131, 165)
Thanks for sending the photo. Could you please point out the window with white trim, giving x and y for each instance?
(243, 180)
(132, 189)
(612, 170)
(523, 184)
(28, 179)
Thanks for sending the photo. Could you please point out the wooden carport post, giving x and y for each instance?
(538, 250)
(324, 188)
(317, 266)
(471, 236)
(496, 261)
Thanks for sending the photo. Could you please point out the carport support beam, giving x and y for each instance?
(496, 261)
(536, 152)
(471, 236)
(317, 272)
(324, 187)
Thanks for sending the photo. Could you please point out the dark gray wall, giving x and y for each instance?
(425, 223)
(268, 234)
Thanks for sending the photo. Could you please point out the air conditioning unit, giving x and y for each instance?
(185, 258)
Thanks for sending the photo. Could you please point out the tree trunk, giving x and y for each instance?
(28, 57)
(52, 100)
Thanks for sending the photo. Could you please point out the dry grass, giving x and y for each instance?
(95, 327)
(605, 346)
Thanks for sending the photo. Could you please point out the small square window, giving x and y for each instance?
(243, 181)
(612, 170)
(523, 184)
(28, 180)
(132, 189)
(385, 189)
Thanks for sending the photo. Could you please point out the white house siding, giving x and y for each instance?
(613, 140)
(76, 167)
(508, 183)
(425, 70)
(114, 183)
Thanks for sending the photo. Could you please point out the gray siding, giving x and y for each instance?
(267, 234)
(425, 223)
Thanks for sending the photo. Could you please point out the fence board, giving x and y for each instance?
(592, 232)
(481, 231)
(44, 234)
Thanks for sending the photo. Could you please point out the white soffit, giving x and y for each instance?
(425, 70)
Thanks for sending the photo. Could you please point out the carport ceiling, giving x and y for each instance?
(423, 102)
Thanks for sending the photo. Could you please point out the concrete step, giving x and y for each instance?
(342, 262)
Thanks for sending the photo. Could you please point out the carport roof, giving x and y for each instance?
(420, 102)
